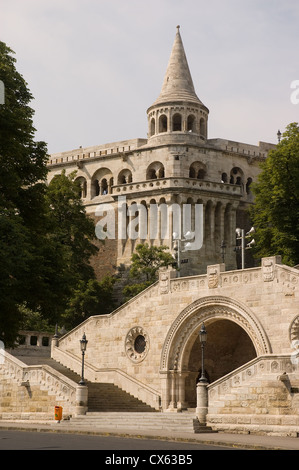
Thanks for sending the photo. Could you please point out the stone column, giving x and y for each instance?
(172, 404)
(88, 189)
(181, 400)
(165, 398)
(81, 399)
(202, 402)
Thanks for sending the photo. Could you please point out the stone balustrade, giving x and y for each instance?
(34, 390)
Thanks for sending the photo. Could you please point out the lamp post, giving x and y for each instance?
(223, 250)
(178, 247)
(241, 236)
(203, 340)
(83, 345)
(202, 385)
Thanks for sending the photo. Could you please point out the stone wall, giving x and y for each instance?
(127, 169)
(263, 302)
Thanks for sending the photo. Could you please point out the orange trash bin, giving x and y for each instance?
(58, 413)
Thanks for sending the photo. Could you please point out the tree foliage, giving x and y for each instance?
(275, 213)
(22, 189)
(89, 298)
(46, 238)
(146, 262)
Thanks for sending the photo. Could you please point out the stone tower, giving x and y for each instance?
(177, 115)
(176, 168)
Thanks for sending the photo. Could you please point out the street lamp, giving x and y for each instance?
(178, 247)
(83, 345)
(223, 250)
(241, 236)
(203, 340)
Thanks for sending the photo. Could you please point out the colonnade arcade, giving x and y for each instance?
(178, 119)
(147, 219)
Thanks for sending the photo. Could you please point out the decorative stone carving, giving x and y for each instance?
(165, 275)
(289, 283)
(294, 332)
(268, 267)
(202, 310)
(137, 344)
(214, 275)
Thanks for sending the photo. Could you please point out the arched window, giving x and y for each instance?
(96, 187)
(163, 123)
(191, 123)
(192, 173)
(236, 176)
(201, 174)
(224, 178)
(104, 186)
(124, 177)
(155, 170)
(153, 125)
(177, 122)
(101, 182)
(83, 186)
(197, 170)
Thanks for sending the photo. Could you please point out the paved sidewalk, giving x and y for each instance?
(241, 441)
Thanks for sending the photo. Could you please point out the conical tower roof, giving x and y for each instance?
(178, 83)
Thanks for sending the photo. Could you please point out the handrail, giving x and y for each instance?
(25, 369)
(247, 366)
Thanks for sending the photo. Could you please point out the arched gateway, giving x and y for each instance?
(235, 336)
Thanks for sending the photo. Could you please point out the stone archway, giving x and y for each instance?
(222, 316)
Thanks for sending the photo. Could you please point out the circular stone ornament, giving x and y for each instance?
(137, 344)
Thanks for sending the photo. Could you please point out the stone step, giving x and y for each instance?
(183, 422)
(108, 397)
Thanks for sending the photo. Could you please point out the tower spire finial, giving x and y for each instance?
(177, 84)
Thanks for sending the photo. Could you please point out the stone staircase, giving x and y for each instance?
(112, 409)
(107, 397)
(127, 422)
(102, 397)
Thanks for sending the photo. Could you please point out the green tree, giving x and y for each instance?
(65, 247)
(89, 298)
(275, 214)
(146, 262)
(22, 188)
(46, 238)
(71, 227)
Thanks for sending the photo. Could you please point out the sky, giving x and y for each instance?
(95, 66)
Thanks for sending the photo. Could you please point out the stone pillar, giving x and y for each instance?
(181, 400)
(164, 391)
(88, 189)
(172, 404)
(202, 402)
(81, 399)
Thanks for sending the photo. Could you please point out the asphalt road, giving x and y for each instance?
(29, 440)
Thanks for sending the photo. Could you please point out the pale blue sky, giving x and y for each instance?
(95, 66)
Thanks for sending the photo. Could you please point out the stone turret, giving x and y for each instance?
(177, 115)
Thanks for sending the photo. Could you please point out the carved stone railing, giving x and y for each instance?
(177, 183)
(41, 376)
(111, 375)
(261, 396)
